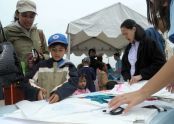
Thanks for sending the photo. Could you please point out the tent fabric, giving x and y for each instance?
(101, 30)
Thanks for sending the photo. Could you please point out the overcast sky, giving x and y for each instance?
(54, 15)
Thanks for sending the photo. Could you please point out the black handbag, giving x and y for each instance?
(10, 68)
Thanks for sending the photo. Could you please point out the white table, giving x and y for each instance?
(161, 118)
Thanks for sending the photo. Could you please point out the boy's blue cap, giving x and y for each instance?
(57, 38)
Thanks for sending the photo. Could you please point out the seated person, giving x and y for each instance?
(102, 76)
(142, 57)
(57, 46)
(82, 85)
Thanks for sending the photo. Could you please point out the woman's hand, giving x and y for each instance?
(131, 99)
(135, 79)
(170, 88)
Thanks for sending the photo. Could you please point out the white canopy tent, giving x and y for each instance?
(101, 30)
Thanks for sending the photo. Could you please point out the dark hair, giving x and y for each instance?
(101, 65)
(100, 58)
(117, 54)
(156, 12)
(110, 85)
(15, 15)
(85, 62)
(91, 50)
(82, 75)
(79, 66)
(130, 24)
(60, 44)
(108, 66)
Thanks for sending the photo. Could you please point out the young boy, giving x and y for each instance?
(57, 45)
(82, 85)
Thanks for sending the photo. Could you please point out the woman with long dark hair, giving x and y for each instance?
(160, 13)
(142, 57)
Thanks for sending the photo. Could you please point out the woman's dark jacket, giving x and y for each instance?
(149, 60)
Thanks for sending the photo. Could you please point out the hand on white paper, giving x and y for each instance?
(170, 88)
(131, 99)
(42, 94)
(135, 79)
(53, 98)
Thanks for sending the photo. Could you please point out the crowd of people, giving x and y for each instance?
(142, 59)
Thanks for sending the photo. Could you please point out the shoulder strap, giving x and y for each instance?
(42, 39)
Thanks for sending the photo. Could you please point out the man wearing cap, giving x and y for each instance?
(57, 45)
(23, 34)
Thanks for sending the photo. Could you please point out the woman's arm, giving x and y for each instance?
(157, 82)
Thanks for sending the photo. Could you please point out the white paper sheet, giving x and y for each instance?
(95, 117)
(77, 110)
(30, 108)
(5, 120)
(42, 110)
(125, 88)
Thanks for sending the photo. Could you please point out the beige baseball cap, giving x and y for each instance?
(25, 6)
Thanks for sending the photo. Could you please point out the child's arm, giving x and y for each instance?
(69, 87)
(54, 98)
(41, 94)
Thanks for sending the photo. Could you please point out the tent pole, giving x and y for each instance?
(69, 45)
